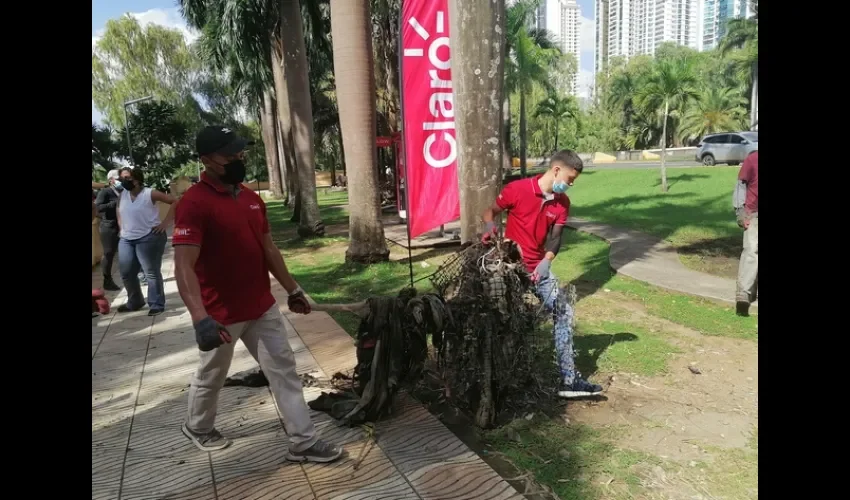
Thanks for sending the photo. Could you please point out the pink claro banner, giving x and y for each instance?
(430, 144)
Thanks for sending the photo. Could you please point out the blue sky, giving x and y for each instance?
(165, 12)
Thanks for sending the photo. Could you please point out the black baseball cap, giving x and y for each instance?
(219, 139)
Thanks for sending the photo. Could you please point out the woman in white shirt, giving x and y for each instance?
(142, 241)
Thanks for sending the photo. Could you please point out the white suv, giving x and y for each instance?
(727, 147)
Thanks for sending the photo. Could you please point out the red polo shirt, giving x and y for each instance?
(232, 267)
(749, 173)
(531, 215)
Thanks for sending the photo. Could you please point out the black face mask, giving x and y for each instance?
(128, 184)
(234, 172)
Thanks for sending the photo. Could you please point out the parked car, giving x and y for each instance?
(727, 147)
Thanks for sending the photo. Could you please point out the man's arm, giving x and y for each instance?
(553, 241)
(277, 265)
(490, 214)
(103, 203)
(185, 257)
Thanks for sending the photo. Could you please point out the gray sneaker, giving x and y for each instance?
(208, 441)
(321, 452)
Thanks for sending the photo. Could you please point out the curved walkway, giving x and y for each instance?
(650, 259)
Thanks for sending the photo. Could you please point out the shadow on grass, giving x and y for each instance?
(681, 178)
(589, 348)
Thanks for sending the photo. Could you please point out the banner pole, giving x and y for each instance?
(402, 141)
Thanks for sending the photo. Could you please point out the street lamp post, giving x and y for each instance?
(127, 122)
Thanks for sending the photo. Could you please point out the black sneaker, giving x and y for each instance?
(579, 388)
(155, 311)
(321, 452)
(110, 285)
(208, 441)
(742, 308)
(124, 308)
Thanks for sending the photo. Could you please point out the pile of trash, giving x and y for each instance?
(482, 322)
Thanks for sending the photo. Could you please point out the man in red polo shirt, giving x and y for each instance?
(537, 213)
(223, 254)
(748, 220)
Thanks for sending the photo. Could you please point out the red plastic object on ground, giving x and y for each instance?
(99, 302)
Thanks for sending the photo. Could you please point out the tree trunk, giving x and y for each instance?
(284, 120)
(523, 138)
(298, 84)
(508, 161)
(754, 100)
(351, 26)
(270, 144)
(281, 158)
(557, 131)
(478, 80)
(389, 25)
(664, 147)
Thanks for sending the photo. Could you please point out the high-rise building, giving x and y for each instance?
(562, 18)
(626, 28)
(716, 15)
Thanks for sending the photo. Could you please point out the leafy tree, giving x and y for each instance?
(161, 142)
(670, 85)
(130, 61)
(103, 149)
(557, 109)
(714, 110)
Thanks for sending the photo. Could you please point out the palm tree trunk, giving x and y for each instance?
(523, 139)
(477, 106)
(353, 64)
(389, 23)
(507, 163)
(298, 85)
(270, 145)
(281, 158)
(754, 100)
(664, 147)
(284, 120)
(557, 131)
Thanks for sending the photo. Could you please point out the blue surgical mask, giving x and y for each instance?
(560, 187)
(117, 185)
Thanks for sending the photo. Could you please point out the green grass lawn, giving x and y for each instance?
(695, 215)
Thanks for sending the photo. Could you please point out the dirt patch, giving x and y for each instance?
(715, 256)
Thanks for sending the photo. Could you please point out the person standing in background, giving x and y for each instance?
(107, 204)
(748, 219)
(142, 241)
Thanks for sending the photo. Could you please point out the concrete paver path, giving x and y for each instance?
(141, 368)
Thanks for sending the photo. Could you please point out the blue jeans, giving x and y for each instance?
(144, 253)
(557, 303)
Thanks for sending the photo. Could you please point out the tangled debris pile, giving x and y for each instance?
(482, 324)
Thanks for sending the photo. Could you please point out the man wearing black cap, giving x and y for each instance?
(223, 254)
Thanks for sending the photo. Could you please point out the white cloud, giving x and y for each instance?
(169, 18)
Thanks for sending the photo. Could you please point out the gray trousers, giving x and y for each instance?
(748, 267)
(265, 338)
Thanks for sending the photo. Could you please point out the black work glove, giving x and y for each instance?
(298, 304)
(210, 334)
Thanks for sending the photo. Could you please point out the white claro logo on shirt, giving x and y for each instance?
(181, 231)
(255, 206)
(549, 214)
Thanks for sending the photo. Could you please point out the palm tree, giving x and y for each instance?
(670, 84)
(715, 110)
(558, 109)
(531, 54)
(351, 26)
(742, 43)
(297, 72)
